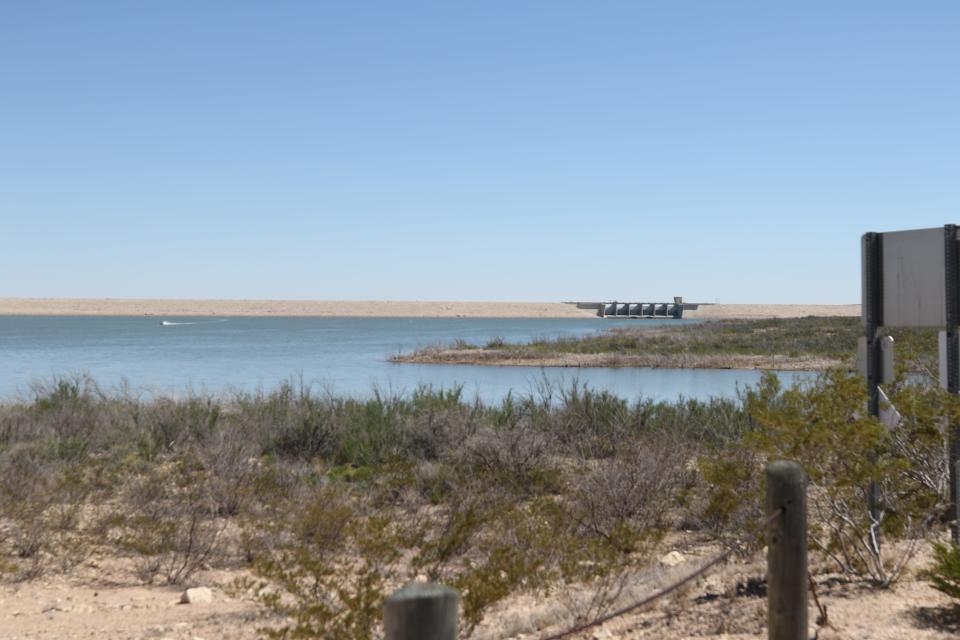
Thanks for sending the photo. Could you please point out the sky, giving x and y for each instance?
(722, 151)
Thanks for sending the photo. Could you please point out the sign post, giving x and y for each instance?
(912, 279)
(951, 255)
(872, 312)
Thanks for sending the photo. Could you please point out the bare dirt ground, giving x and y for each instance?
(369, 308)
(759, 311)
(104, 600)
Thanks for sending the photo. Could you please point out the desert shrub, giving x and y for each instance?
(167, 424)
(497, 342)
(276, 487)
(291, 422)
(230, 463)
(513, 459)
(333, 555)
(637, 487)
(42, 502)
(369, 432)
(16, 425)
(170, 520)
(489, 549)
(436, 421)
(328, 574)
(732, 505)
(944, 575)
(426, 399)
(700, 424)
(590, 423)
(823, 426)
(65, 411)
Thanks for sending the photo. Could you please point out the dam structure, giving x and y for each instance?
(639, 310)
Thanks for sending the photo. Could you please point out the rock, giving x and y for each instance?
(672, 559)
(197, 595)
(713, 585)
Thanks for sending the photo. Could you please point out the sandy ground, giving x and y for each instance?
(368, 308)
(751, 311)
(101, 602)
(301, 308)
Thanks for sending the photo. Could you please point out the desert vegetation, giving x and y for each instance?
(811, 343)
(327, 503)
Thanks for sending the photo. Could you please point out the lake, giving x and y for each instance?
(347, 356)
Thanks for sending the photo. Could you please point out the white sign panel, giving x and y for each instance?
(942, 343)
(888, 413)
(913, 279)
(886, 358)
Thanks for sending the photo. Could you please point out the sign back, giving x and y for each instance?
(914, 293)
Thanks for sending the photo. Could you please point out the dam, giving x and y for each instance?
(639, 310)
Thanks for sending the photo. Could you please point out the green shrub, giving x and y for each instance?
(591, 423)
(327, 570)
(944, 575)
(823, 425)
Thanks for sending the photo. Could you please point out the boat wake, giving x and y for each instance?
(170, 323)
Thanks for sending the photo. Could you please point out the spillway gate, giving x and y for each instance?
(618, 309)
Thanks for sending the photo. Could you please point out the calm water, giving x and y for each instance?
(346, 355)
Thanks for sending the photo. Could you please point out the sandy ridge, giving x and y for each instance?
(759, 311)
(287, 308)
(372, 308)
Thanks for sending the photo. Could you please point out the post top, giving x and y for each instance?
(786, 468)
(422, 591)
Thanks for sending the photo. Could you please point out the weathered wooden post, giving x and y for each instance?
(421, 612)
(787, 552)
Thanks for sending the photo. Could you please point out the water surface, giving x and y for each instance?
(348, 356)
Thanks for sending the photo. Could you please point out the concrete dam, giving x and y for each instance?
(639, 310)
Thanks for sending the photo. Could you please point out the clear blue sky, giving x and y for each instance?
(470, 150)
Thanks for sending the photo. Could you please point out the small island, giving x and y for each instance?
(785, 344)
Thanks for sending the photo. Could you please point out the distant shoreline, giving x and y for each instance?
(369, 308)
(493, 358)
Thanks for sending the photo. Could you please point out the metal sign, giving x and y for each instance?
(914, 293)
(912, 278)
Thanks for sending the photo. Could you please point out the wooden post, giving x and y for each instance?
(421, 612)
(787, 552)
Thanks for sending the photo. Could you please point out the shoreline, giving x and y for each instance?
(384, 309)
(495, 358)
